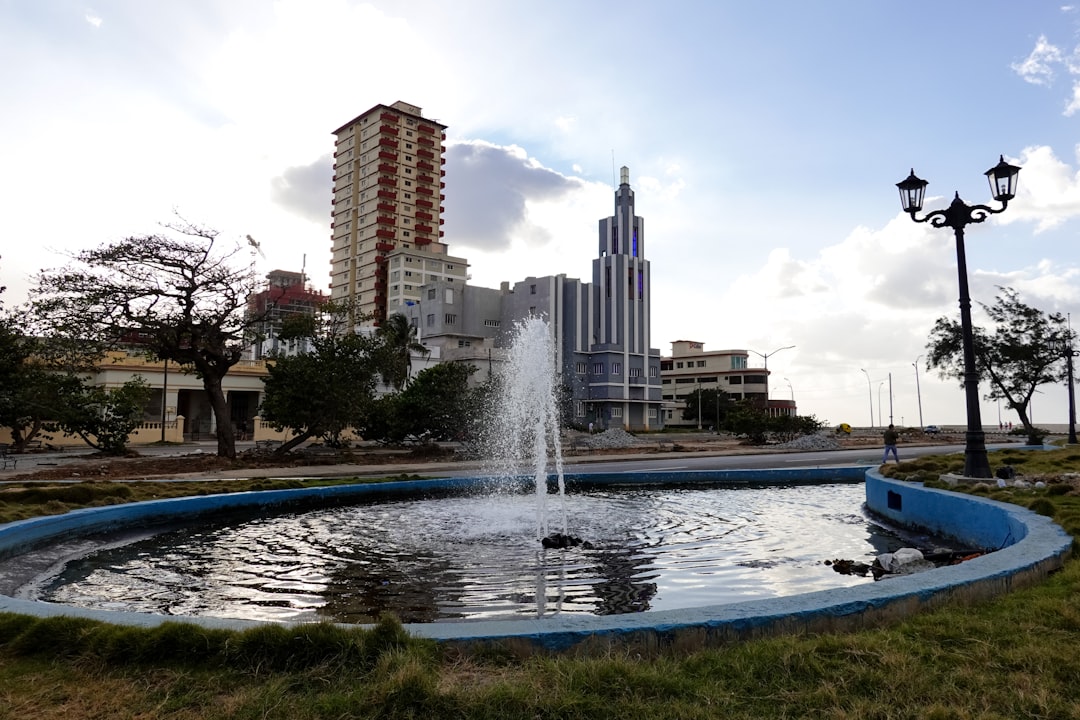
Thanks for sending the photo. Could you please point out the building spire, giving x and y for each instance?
(624, 175)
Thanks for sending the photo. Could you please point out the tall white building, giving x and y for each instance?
(387, 210)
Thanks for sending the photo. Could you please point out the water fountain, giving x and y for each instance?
(525, 424)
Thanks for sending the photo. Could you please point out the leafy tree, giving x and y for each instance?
(322, 393)
(715, 405)
(1012, 358)
(437, 405)
(397, 338)
(177, 294)
(105, 417)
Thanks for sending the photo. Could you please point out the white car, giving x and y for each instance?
(931, 430)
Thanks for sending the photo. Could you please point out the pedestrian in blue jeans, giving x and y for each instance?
(891, 436)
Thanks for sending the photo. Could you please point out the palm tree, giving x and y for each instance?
(398, 342)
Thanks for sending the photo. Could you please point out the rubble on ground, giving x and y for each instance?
(610, 438)
(819, 441)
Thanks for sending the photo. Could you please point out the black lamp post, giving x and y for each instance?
(957, 216)
(1064, 346)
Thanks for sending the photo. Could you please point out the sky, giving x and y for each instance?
(764, 141)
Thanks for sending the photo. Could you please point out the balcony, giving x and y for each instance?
(389, 117)
(421, 165)
(425, 203)
(425, 191)
(423, 228)
(426, 154)
(383, 247)
(388, 168)
(387, 142)
(388, 129)
(426, 142)
(387, 194)
(387, 155)
(424, 216)
(392, 182)
(423, 241)
(380, 258)
(386, 207)
(386, 220)
(426, 129)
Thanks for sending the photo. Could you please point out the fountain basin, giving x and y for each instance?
(1034, 547)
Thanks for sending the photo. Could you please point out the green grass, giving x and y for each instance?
(1012, 657)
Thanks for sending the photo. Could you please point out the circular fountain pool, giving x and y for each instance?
(477, 557)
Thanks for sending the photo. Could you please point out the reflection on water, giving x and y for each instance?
(471, 558)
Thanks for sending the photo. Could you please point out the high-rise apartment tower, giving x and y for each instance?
(387, 210)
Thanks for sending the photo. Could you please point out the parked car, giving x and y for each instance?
(931, 430)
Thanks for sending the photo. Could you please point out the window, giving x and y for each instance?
(532, 289)
(635, 372)
(665, 381)
(616, 368)
(701, 363)
(678, 364)
(579, 409)
(491, 323)
(652, 413)
(653, 372)
(738, 362)
(598, 368)
(449, 296)
(616, 412)
(581, 368)
(450, 319)
(431, 294)
(665, 364)
(431, 320)
(684, 381)
(464, 343)
(735, 380)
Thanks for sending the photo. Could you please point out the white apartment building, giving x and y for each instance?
(387, 209)
(691, 368)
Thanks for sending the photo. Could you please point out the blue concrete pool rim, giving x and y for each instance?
(1029, 546)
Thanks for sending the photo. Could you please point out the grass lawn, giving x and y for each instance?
(1014, 657)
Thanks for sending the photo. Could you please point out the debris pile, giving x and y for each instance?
(904, 561)
(818, 441)
(610, 438)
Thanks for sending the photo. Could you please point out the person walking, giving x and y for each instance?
(891, 436)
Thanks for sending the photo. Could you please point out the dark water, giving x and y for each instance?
(469, 558)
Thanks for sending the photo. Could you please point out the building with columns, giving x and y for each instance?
(690, 367)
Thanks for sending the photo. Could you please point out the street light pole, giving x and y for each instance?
(766, 357)
(918, 392)
(957, 216)
(879, 415)
(870, 392)
(1064, 346)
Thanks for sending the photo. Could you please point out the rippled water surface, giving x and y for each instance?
(477, 557)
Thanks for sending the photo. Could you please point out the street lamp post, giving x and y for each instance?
(957, 216)
(918, 392)
(1064, 346)
(791, 389)
(879, 415)
(765, 357)
(870, 392)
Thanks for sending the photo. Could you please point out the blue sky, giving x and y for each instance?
(763, 140)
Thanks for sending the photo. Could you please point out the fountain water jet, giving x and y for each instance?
(524, 428)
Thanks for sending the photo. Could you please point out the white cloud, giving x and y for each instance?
(1048, 192)
(93, 19)
(1038, 67)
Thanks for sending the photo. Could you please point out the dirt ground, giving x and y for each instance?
(96, 467)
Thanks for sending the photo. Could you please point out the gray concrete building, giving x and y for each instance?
(610, 374)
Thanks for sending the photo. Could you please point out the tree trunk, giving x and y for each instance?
(1033, 436)
(226, 439)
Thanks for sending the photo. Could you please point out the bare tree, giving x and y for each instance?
(177, 294)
